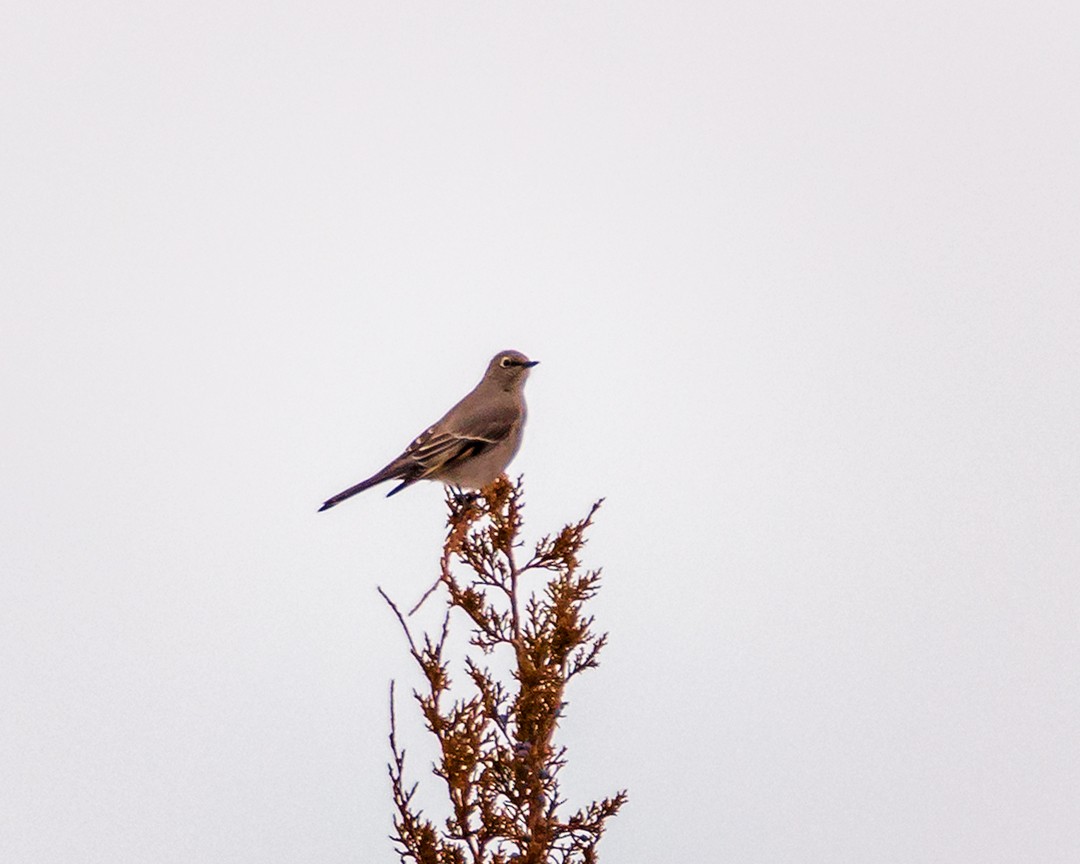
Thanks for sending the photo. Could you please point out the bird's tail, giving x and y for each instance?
(400, 469)
(354, 490)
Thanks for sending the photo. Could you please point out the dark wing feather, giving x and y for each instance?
(433, 450)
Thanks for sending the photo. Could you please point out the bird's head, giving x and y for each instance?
(509, 368)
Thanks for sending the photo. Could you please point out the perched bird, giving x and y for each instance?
(472, 443)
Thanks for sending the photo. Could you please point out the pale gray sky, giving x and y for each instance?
(804, 279)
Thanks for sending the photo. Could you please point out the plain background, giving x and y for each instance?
(803, 278)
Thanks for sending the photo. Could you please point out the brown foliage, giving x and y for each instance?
(498, 760)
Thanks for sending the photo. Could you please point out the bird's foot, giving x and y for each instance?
(461, 497)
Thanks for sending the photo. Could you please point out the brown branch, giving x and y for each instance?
(497, 757)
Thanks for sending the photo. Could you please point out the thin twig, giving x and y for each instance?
(427, 594)
(401, 620)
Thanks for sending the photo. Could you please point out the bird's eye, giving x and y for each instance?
(506, 362)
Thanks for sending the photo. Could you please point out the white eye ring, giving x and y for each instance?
(506, 362)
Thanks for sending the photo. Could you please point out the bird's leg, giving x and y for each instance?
(461, 497)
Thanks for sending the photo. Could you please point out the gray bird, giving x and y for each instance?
(472, 443)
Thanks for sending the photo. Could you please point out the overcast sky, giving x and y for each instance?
(804, 281)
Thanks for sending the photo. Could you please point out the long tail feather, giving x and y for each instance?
(381, 477)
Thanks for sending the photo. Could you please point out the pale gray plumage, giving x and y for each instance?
(472, 443)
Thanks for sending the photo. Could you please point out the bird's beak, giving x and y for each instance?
(530, 363)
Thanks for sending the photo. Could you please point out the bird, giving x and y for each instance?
(472, 443)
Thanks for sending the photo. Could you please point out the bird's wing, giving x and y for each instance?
(439, 447)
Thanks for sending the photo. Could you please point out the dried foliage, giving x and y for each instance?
(498, 760)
